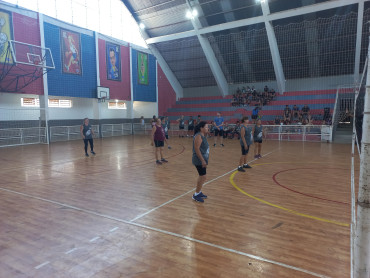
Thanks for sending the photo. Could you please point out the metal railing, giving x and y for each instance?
(110, 130)
(67, 133)
(22, 136)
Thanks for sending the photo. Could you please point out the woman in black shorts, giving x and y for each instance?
(257, 138)
(200, 158)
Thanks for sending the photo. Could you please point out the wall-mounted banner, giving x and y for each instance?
(6, 34)
(113, 58)
(71, 52)
(142, 67)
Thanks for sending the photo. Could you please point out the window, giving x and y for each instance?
(60, 103)
(30, 102)
(116, 105)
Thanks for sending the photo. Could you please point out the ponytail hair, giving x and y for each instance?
(199, 126)
(244, 119)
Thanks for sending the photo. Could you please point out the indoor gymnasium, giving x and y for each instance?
(184, 138)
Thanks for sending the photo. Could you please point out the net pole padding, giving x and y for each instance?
(353, 200)
(362, 238)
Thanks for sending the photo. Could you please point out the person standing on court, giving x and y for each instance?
(181, 122)
(257, 138)
(219, 132)
(166, 127)
(190, 127)
(200, 158)
(245, 142)
(87, 135)
(158, 138)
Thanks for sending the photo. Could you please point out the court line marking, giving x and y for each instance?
(70, 251)
(305, 194)
(114, 229)
(41, 265)
(231, 179)
(94, 239)
(258, 258)
(191, 190)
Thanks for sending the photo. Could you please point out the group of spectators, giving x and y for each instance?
(248, 96)
(295, 116)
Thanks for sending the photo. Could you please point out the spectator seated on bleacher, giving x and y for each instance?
(227, 130)
(246, 96)
(295, 111)
(211, 131)
(236, 130)
(255, 112)
(306, 112)
(287, 113)
(277, 120)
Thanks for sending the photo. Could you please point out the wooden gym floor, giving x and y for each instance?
(118, 214)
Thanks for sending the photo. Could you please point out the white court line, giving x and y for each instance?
(114, 229)
(165, 232)
(191, 190)
(41, 265)
(70, 251)
(94, 239)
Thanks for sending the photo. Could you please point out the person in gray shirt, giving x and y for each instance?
(87, 135)
(245, 142)
(200, 158)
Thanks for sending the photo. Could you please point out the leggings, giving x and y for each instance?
(86, 141)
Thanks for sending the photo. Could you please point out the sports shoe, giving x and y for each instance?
(246, 166)
(202, 195)
(214, 145)
(169, 147)
(259, 156)
(240, 169)
(93, 153)
(222, 145)
(256, 156)
(164, 160)
(158, 162)
(86, 154)
(198, 198)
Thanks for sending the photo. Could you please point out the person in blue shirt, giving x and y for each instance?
(219, 131)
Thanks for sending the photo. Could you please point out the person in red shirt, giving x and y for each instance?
(158, 139)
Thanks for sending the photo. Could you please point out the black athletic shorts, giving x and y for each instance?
(181, 127)
(258, 141)
(254, 117)
(158, 144)
(219, 132)
(166, 136)
(245, 151)
(202, 171)
(190, 127)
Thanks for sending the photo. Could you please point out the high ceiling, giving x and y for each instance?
(317, 43)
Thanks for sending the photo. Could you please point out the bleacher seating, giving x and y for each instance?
(207, 107)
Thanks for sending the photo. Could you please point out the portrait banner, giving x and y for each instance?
(6, 34)
(113, 58)
(142, 66)
(70, 52)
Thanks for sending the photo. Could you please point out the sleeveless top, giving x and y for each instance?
(87, 131)
(191, 123)
(181, 123)
(247, 135)
(166, 127)
(257, 132)
(159, 133)
(204, 150)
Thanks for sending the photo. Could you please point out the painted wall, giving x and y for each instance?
(11, 109)
(120, 90)
(166, 94)
(72, 85)
(144, 92)
(146, 109)
(26, 30)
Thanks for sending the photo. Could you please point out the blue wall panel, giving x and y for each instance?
(71, 85)
(144, 92)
